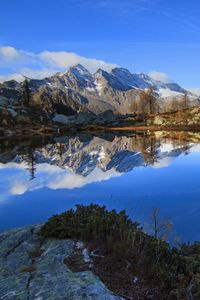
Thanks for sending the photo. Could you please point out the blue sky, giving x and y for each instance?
(37, 37)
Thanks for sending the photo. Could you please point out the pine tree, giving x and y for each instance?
(26, 93)
(31, 164)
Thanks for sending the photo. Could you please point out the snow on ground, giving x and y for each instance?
(164, 93)
(90, 89)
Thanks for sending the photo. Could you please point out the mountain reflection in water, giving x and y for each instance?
(40, 177)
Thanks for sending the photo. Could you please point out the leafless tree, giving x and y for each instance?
(148, 101)
(185, 100)
(160, 228)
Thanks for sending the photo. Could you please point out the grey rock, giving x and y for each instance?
(33, 268)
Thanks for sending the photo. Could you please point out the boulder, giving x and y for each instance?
(34, 268)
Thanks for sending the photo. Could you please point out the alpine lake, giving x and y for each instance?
(136, 172)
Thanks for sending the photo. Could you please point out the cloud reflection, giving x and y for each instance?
(50, 176)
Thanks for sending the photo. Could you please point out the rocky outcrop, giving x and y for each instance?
(35, 268)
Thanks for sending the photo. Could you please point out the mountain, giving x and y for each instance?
(77, 90)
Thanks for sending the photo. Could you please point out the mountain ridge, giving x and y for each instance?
(78, 90)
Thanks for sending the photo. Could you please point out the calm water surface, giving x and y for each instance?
(39, 178)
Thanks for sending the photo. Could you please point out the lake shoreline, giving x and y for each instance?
(50, 130)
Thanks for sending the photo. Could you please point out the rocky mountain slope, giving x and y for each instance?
(78, 90)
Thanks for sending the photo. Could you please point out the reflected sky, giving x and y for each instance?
(119, 174)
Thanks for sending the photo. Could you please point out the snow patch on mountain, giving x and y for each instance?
(166, 92)
(90, 89)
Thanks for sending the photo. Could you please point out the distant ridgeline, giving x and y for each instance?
(78, 97)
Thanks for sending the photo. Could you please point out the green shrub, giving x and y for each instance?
(93, 223)
(122, 240)
(115, 234)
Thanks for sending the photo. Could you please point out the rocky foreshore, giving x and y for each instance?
(32, 267)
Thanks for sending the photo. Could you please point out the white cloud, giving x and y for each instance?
(9, 53)
(16, 76)
(67, 59)
(39, 74)
(195, 91)
(42, 64)
(50, 176)
(163, 77)
(18, 188)
(70, 180)
(13, 165)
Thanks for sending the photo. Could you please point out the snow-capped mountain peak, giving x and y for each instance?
(78, 89)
